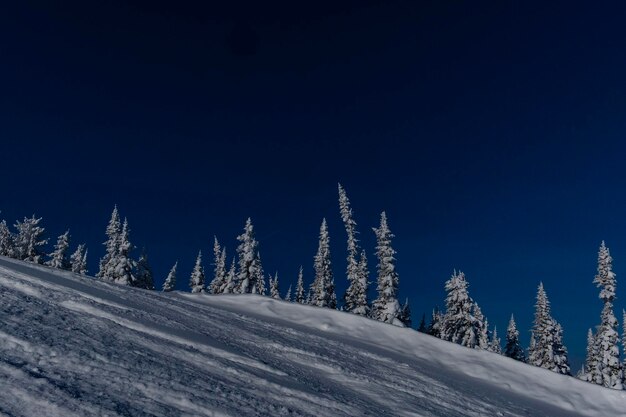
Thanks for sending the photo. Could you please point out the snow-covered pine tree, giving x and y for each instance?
(405, 314)
(250, 273)
(170, 280)
(355, 298)
(196, 282)
(495, 344)
(108, 261)
(561, 360)
(288, 294)
(144, 275)
(457, 324)
(590, 371)
(230, 281)
(300, 297)
(259, 287)
(323, 287)
(6, 241)
(606, 338)
(78, 260)
(123, 266)
(219, 271)
(422, 328)
(481, 329)
(386, 307)
(513, 349)
(274, 290)
(58, 258)
(434, 327)
(29, 240)
(547, 349)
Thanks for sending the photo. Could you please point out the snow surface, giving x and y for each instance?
(73, 346)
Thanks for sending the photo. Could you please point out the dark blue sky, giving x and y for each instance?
(492, 134)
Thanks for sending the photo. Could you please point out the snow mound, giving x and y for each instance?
(74, 346)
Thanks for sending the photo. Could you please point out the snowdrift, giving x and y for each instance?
(74, 346)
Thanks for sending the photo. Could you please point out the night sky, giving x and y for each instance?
(491, 133)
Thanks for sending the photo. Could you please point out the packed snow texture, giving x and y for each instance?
(74, 346)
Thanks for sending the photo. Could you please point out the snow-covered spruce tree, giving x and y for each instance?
(300, 297)
(405, 314)
(386, 307)
(513, 349)
(355, 298)
(230, 281)
(6, 241)
(606, 337)
(590, 371)
(196, 282)
(170, 280)
(219, 271)
(288, 294)
(108, 261)
(259, 287)
(495, 344)
(29, 240)
(434, 327)
(481, 328)
(274, 290)
(323, 288)
(547, 349)
(123, 266)
(250, 273)
(58, 258)
(144, 275)
(78, 260)
(457, 324)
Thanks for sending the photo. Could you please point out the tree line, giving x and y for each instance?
(462, 322)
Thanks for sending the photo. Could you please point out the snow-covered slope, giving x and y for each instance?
(73, 346)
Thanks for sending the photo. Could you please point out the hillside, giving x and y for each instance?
(73, 346)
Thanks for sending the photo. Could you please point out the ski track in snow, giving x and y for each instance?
(74, 346)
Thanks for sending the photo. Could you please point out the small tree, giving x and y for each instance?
(405, 315)
(355, 298)
(112, 244)
(274, 290)
(7, 246)
(323, 288)
(481, 329)
(547, 349)
(458, 324)
(144, 272)
(250, 274)
(219, 272)
(495, 344)
(386, 307)
(591, 371)
(58, 258)
(29, 240)
(78, 260)
(123, 267)
(300, 297)
(196, 282)
(513, 348)
(436, 320)
(230, 282)
(288, 294)
(606, 339)
(170, 280)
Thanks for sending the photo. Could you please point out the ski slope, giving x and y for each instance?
(74, 346)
